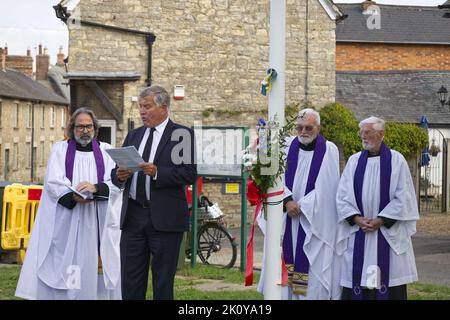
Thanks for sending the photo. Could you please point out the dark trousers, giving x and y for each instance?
(395, 293)
(139, 241)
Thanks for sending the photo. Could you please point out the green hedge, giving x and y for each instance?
(338, 124)
(406, 138)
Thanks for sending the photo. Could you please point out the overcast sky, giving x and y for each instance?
(26, 23)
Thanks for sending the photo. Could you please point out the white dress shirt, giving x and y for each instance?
(156, 139)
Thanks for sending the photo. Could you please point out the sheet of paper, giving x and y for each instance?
(86, 195)
(126, 157)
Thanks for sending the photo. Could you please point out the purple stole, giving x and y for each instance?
(100, 164)
(383, 246)
(298, 269)
(70, 159)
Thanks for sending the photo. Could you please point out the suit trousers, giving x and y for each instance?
(138, 242)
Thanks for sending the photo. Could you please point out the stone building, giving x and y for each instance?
(32, 116)
(394, 70)
(216, 49)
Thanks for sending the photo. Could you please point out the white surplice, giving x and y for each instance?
(319, 220)
(402, 207)
(62, 257)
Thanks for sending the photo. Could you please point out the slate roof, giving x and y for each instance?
(56, 76)
(399, 24)
(397, 96)
(16, 85)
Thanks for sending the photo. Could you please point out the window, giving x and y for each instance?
(16, 118)
(28, 156)
(52, 117)
(43, 117)
(30, 115)
(6, 166)
(42, 162)
(15, 157)
(34, 162)
(63, 117)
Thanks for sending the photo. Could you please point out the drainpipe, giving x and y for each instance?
(63, 15)
(32, 141)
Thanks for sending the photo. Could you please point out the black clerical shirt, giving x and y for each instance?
(102, 189)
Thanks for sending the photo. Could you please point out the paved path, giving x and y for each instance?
(432, 258)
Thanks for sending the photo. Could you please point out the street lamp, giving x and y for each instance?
(442, 92)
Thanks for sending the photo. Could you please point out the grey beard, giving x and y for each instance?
(83, 141)
(306, 141)
(366, 146)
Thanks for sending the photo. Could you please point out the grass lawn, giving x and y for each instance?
(210, 283)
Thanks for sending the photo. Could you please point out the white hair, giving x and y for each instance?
(309, 111)
(378, 124)
(160, 95)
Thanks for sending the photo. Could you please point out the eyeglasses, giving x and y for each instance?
(87, 127)
(307, 128)
(366, 133)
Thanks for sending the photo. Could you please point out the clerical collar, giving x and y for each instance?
(87, 148)
(309, 147)
(373, 154)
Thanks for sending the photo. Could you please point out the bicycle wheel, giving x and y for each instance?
(216, 246)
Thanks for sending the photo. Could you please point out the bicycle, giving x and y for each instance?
(215, 244)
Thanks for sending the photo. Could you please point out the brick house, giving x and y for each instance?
(395, 72)
(33, 115)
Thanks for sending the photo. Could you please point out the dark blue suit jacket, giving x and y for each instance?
(168, 205)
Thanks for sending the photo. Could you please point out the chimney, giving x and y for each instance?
(60, 57)
(366, 4)
(42, 64)
(6, 48)
(3, 61)
(23, 64)
(28, 52)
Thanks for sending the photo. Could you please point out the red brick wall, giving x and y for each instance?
(42, 65)
(23, 64)
(380, 57)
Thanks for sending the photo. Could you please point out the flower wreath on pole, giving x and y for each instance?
(268, 150)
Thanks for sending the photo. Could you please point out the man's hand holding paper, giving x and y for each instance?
(126, 158)
(148, 168)
(123, 173)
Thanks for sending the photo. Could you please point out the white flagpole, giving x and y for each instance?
(272, 264)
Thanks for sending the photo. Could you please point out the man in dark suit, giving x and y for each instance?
(154, 212)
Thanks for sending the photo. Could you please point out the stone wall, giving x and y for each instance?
(15, 137)
(217, 49)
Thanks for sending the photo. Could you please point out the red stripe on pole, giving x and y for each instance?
(249, 265)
